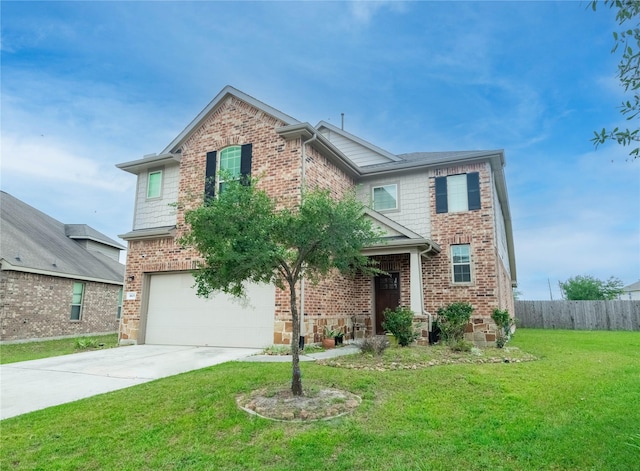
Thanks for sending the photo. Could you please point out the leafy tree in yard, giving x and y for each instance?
(243, 236)
(588, 288)
(628, 41)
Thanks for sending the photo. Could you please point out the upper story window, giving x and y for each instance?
(385, 197)
(457, 193)
(233, 163)
(76, 301)
(154, 184)
(229, 166)
(461, 263)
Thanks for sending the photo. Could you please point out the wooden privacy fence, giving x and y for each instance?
(579, 315)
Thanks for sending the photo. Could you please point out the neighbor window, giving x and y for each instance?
(385, 197)
(461, 261)
(76, 301)
(457, 193)
(154, 184)
(119, 312)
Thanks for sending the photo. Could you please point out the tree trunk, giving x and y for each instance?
(296, 378)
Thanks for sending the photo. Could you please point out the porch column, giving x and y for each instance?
(415, 281)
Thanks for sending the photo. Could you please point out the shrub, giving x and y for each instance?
(83, 343)
(452, 319)
(400, 323)
(375, 345)
(504, 322)
(461, 346)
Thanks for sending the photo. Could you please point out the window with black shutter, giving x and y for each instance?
(457, 193)
(230, 164)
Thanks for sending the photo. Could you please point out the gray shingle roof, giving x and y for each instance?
(33, 241)
(415, 159)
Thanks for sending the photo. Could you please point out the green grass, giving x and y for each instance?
(576, 408)
(12, 353)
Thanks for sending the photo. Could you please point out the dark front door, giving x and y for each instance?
(387, 296)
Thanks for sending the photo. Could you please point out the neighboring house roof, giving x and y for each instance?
(632, 287)
(84, 232)
(36, 243)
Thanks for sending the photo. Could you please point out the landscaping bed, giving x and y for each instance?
(418, 357)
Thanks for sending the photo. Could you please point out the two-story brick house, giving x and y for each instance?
(445, 215)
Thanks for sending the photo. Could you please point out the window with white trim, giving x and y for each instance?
(461, 263)
(76, 301)
(119, 311)
(154, 184)
(457, 193)
(229, 166)
(385, 197)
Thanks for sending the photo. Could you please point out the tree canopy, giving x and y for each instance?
(627, 42)
(588, 288)
(244, 236)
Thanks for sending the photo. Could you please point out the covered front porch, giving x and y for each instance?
(403, 255)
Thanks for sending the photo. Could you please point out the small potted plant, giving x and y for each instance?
(329, 340)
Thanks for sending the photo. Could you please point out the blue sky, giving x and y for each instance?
(87, 85)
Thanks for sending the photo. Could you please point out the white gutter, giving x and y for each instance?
(302, 188)
(424, 313)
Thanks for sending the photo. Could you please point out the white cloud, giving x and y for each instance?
(363, 11)
(40, 158)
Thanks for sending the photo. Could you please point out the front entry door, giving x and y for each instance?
(387, 296)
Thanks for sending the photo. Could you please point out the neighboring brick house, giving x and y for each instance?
(445, 215)
(56, 280)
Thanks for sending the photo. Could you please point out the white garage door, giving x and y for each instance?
(177, 316)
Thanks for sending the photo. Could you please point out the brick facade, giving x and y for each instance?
(39, 306)
(490, 286)
(337, 301)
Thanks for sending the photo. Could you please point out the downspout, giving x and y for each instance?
(302, 189)
(427, 315)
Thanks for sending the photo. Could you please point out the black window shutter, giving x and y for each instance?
(210, 179)
(441, 195)
(473, 190)
(245, 163)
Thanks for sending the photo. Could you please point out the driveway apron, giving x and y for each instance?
(37, 384)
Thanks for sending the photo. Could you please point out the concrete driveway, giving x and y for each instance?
(38, 384)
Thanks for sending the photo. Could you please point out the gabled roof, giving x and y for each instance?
(354, 138)
(399, 238)
(211, 107)
(36, 243)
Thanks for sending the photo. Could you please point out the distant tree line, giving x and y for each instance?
(589, 288)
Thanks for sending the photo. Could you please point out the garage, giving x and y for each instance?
(177, 316)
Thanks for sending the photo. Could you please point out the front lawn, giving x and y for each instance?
(11, 353)
(575, 408)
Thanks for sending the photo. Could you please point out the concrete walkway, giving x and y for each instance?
(32, 385)
(37, 384)
(333, 353)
